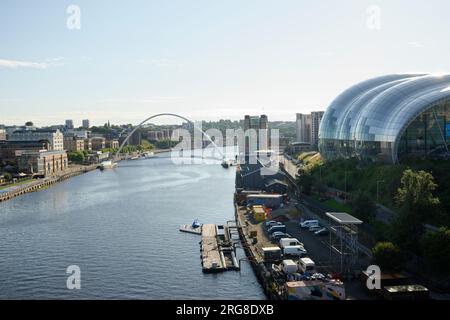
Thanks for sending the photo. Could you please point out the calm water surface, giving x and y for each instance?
(121, 228)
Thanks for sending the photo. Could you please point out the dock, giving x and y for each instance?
(189, 229)
(217, 251)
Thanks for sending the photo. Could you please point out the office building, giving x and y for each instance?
(85, 124)
(69, 124)
(53, 136)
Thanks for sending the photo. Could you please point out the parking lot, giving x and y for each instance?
(327, 261)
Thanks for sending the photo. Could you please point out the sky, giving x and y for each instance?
(205, 59)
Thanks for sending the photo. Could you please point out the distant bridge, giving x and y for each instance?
(160, 115)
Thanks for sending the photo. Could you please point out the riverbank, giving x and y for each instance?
(34, 185)
(40, 184)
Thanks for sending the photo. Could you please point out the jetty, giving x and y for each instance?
(217, 249)
(190, 229)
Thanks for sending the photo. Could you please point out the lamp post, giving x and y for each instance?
(345, 182)
(378, 188)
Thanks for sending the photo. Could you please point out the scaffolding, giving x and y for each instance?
(344, 239)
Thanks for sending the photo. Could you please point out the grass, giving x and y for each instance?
(341, 207)
(333, 204)
(16, 184)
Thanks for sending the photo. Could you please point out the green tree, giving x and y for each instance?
(320, 188)
(305, 181)
(387, 256)
(8, 176)
(363, 206)
(77, 157)
(435, 248)
(416, 201)
(416, 189)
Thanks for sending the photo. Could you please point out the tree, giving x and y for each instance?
(416, 189)
(77, 157)
(320, 188)
(29, 124)
(363, 207)
(387, 256)
(305, 181)
(416, 201)
(8, 176)
(435, 248)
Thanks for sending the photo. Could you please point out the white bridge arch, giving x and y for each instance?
(160, 115)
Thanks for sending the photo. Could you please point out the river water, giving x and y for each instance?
(121, 228)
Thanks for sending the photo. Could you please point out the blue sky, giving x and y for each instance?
(205, 59)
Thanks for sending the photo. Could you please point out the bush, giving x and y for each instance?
(387, 256)
(435, 247)
(8, 176)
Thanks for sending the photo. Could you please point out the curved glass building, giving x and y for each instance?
(389, 117)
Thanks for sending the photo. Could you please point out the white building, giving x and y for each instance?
(53, 136)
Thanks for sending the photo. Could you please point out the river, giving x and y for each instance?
(121, 228)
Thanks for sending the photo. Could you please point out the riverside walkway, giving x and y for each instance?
(38, 184)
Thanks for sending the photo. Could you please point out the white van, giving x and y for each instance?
(295, 251)
(306, 265)
(289, 266)
(309, 223)
(286, 242)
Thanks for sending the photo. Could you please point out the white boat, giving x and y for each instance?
(108, 164)
(149, 154)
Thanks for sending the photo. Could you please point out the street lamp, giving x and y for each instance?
(345, 182)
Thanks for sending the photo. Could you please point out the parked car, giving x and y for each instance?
(309, 223)
(315, 228)
(322, 232)
(296, 251)
(277, 235)
(280, 228)
(272, 223)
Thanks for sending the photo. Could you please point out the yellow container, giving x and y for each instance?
(259, 213)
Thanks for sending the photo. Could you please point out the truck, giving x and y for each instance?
(289, 266)
(295, 251)
(271, 254)
(306, 265)
(284, 242)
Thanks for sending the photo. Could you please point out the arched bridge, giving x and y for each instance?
(160, 115)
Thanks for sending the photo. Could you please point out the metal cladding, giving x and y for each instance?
(368, 120)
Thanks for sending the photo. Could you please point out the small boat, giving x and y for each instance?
(196, 224)
(148, 155)
(195, 227)
(107, 165)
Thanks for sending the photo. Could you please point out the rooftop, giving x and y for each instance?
(343, 218)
